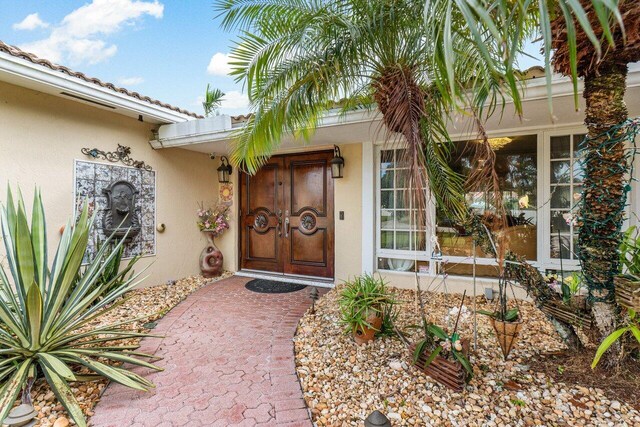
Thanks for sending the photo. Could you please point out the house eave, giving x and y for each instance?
(23, 73)
(222, 131)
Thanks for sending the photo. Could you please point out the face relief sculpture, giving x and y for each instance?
(120, 215)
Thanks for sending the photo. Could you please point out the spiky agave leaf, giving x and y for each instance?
(45, 313)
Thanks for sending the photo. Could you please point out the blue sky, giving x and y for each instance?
(165, 49)
(161, 49)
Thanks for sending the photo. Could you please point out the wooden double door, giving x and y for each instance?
(287, 217)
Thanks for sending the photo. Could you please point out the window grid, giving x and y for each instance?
(398, 231)
(565, 189)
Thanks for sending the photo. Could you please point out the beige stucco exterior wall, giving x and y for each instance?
(348, 198)
(41, 135)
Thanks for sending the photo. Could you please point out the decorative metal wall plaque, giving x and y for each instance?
(120, 218)
(120, 155)
(91, 181)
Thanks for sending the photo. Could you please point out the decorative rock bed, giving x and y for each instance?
(153, 302)
(343, 382)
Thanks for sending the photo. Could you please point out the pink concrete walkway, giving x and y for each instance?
(228, 360)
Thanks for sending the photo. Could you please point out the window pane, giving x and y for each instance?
(560, 172)
(396, 264)
(401, 199)
(576, 248)
(386, 219)
(386, 159)
(419, 241)
(402, 240)
(560, 197)
(577, 194)
(560, 147)
(578, 171)
(559, 223)
(579, 145)
(386, 178)
(401, 178)
(516, 165)
(403, 220)
(386, 239)
(560, 244)
(386, 199)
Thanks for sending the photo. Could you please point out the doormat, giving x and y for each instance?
(264, 286)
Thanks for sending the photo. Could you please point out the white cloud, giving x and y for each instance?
(219, 65)
(30, 22)
(79, 37)
(130, 81)
(234, 100)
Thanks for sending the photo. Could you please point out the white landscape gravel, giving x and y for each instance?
(343, 382)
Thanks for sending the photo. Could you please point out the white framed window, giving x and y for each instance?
(544, 166)
(563, 186)
(401, 244)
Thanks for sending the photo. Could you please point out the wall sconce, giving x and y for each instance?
(224, 170)
(337, 163)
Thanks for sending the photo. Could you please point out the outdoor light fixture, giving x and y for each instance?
(377, 419)
(224, 170)
(337, 163)
(21, 416)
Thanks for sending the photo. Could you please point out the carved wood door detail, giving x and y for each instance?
(287, 216)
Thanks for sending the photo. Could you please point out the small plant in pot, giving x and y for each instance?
(443, 355)
(506, 321)
(364, 302)
(627, 285)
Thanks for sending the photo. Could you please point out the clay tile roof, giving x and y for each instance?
(18, 53)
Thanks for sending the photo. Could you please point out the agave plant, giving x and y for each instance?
(46, 311)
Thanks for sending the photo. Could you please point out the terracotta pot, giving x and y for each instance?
(366, 334)
(507, 334)
(211, 258)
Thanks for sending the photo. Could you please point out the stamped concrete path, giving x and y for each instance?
(228, 360)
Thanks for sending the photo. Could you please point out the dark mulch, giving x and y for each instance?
(575, 368)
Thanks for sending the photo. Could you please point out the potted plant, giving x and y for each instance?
(444, 356)
(364, 302)
(627, 285)
(570, 305)
(212, 222)
(506, 321)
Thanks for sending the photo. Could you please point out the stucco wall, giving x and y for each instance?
(348, 198)
(41, 135)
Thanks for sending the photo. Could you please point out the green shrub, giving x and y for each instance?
(362, 297)
(630, 253)
(45, 311)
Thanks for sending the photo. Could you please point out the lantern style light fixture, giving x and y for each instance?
(337, 163)
(224, 170)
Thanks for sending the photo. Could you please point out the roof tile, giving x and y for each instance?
(18, 53)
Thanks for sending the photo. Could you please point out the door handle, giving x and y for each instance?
(286, 224)
(279, 225)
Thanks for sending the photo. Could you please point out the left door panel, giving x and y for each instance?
(261, 218)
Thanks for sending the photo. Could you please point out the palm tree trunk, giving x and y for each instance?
(604, 198)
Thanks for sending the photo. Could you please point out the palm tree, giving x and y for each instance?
(417, 62)
(297, 57)
(212, 100)
(589, 39)
(300, 59)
